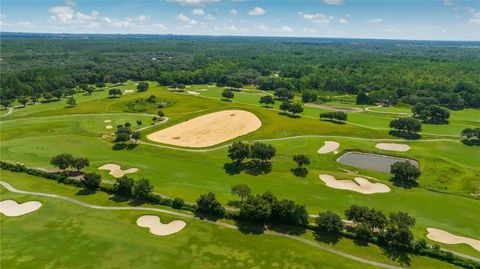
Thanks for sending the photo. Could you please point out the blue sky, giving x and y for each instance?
(392, 19)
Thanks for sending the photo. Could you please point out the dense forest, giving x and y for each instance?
(379, 71)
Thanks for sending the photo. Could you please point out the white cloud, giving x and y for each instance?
(233, 12)
(316, 18)
(447, 2)
(469, 10)
(375, 21)
(198, 11)
(209, 18)
(475, 19)
(257, 11)
(333, 2)
(262, 28)
(70, 2)
(186, 19)
(309, 30)
(343, 21)
(142, 18)
(286, 29)
(193, 2)
(160, 26)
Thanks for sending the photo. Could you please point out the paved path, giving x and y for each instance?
(184, 215)
(10, 110)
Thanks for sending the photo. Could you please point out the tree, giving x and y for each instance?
(255, 209)
(23, 101)
(284, 94)
(80, 163)
(123, 186)
(142, 86)
(142, 189)
(127, 124)
(71, 101)
(136, 136)
(329, 222)
(34, 97)
(241, 190)
(363, 99)
(48, 96)
(337, 115)
(89, 90)
(262, 152)
(301, 160)
(178, 203)
(287, 212)
(356, 213)
(91, 181)
(228, 94)
(62, 161)
(100, 85)
(468, 133)
(58, 94)
(431, 113)
(295, 108)
(405, 173)
(161, 114)
(208, 204)
(114, 92)
(139, 123)
(6, 102)
(406, 125)
(238, 151)
(70, 92)
(285, 106)
(309, 97)
(267, 100)
(397, 237)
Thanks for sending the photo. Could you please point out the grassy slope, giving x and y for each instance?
(88, 235)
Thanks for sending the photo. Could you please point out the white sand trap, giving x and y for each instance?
(448, 238)
(330, 146)
(11, 208)
(116, 171)
(359, 184)
(157, 228)
(211, 86)
(128, 91)
(209, 129)
(393, 147)
(193, 92)
(108, 127)
(107, 121)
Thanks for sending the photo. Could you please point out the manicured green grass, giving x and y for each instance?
(34, 134)
(84, 237)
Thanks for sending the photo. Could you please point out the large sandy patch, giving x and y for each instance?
(11, 208)
(193, 92)
(393, 147)
(448, 238)
(329, 146)
(209, 130)
(116, 170)
(157, 228)
(359, 184)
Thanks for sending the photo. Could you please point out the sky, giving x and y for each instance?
(382, 19)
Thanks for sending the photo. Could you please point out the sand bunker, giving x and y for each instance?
(330, 146)
(359, 184)
(107, 121)
(108, 127)
(116, 171)
(157, 228)
(128, 91)
(448, 238)
(209, 130)
(11, 208)
(393, 147)
(193, 92)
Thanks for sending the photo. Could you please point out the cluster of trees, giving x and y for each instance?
(258, 152)
(336, 116)
(404, 173)
(470, 133)
(227, 94)
(64, 161)
(267, 100)
(301, 160)
(369, 224)
(382, 70)
(114, 92)
(431, 113)
(124, 132)
(142, 86)
(406, 127)
(293, 108)
(128, 187)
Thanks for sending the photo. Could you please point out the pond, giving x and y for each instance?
(371, 161)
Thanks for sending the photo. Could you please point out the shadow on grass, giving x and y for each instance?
(83, 192)
(208, 217)
(122, 146)
(399, 256)
(334, 121)
(404, 184)
(118, 199)
(287, 229)
(405, 135)
(299, 171)
(249, 227)
(253, 168)
(327, 238)
(471, 142)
